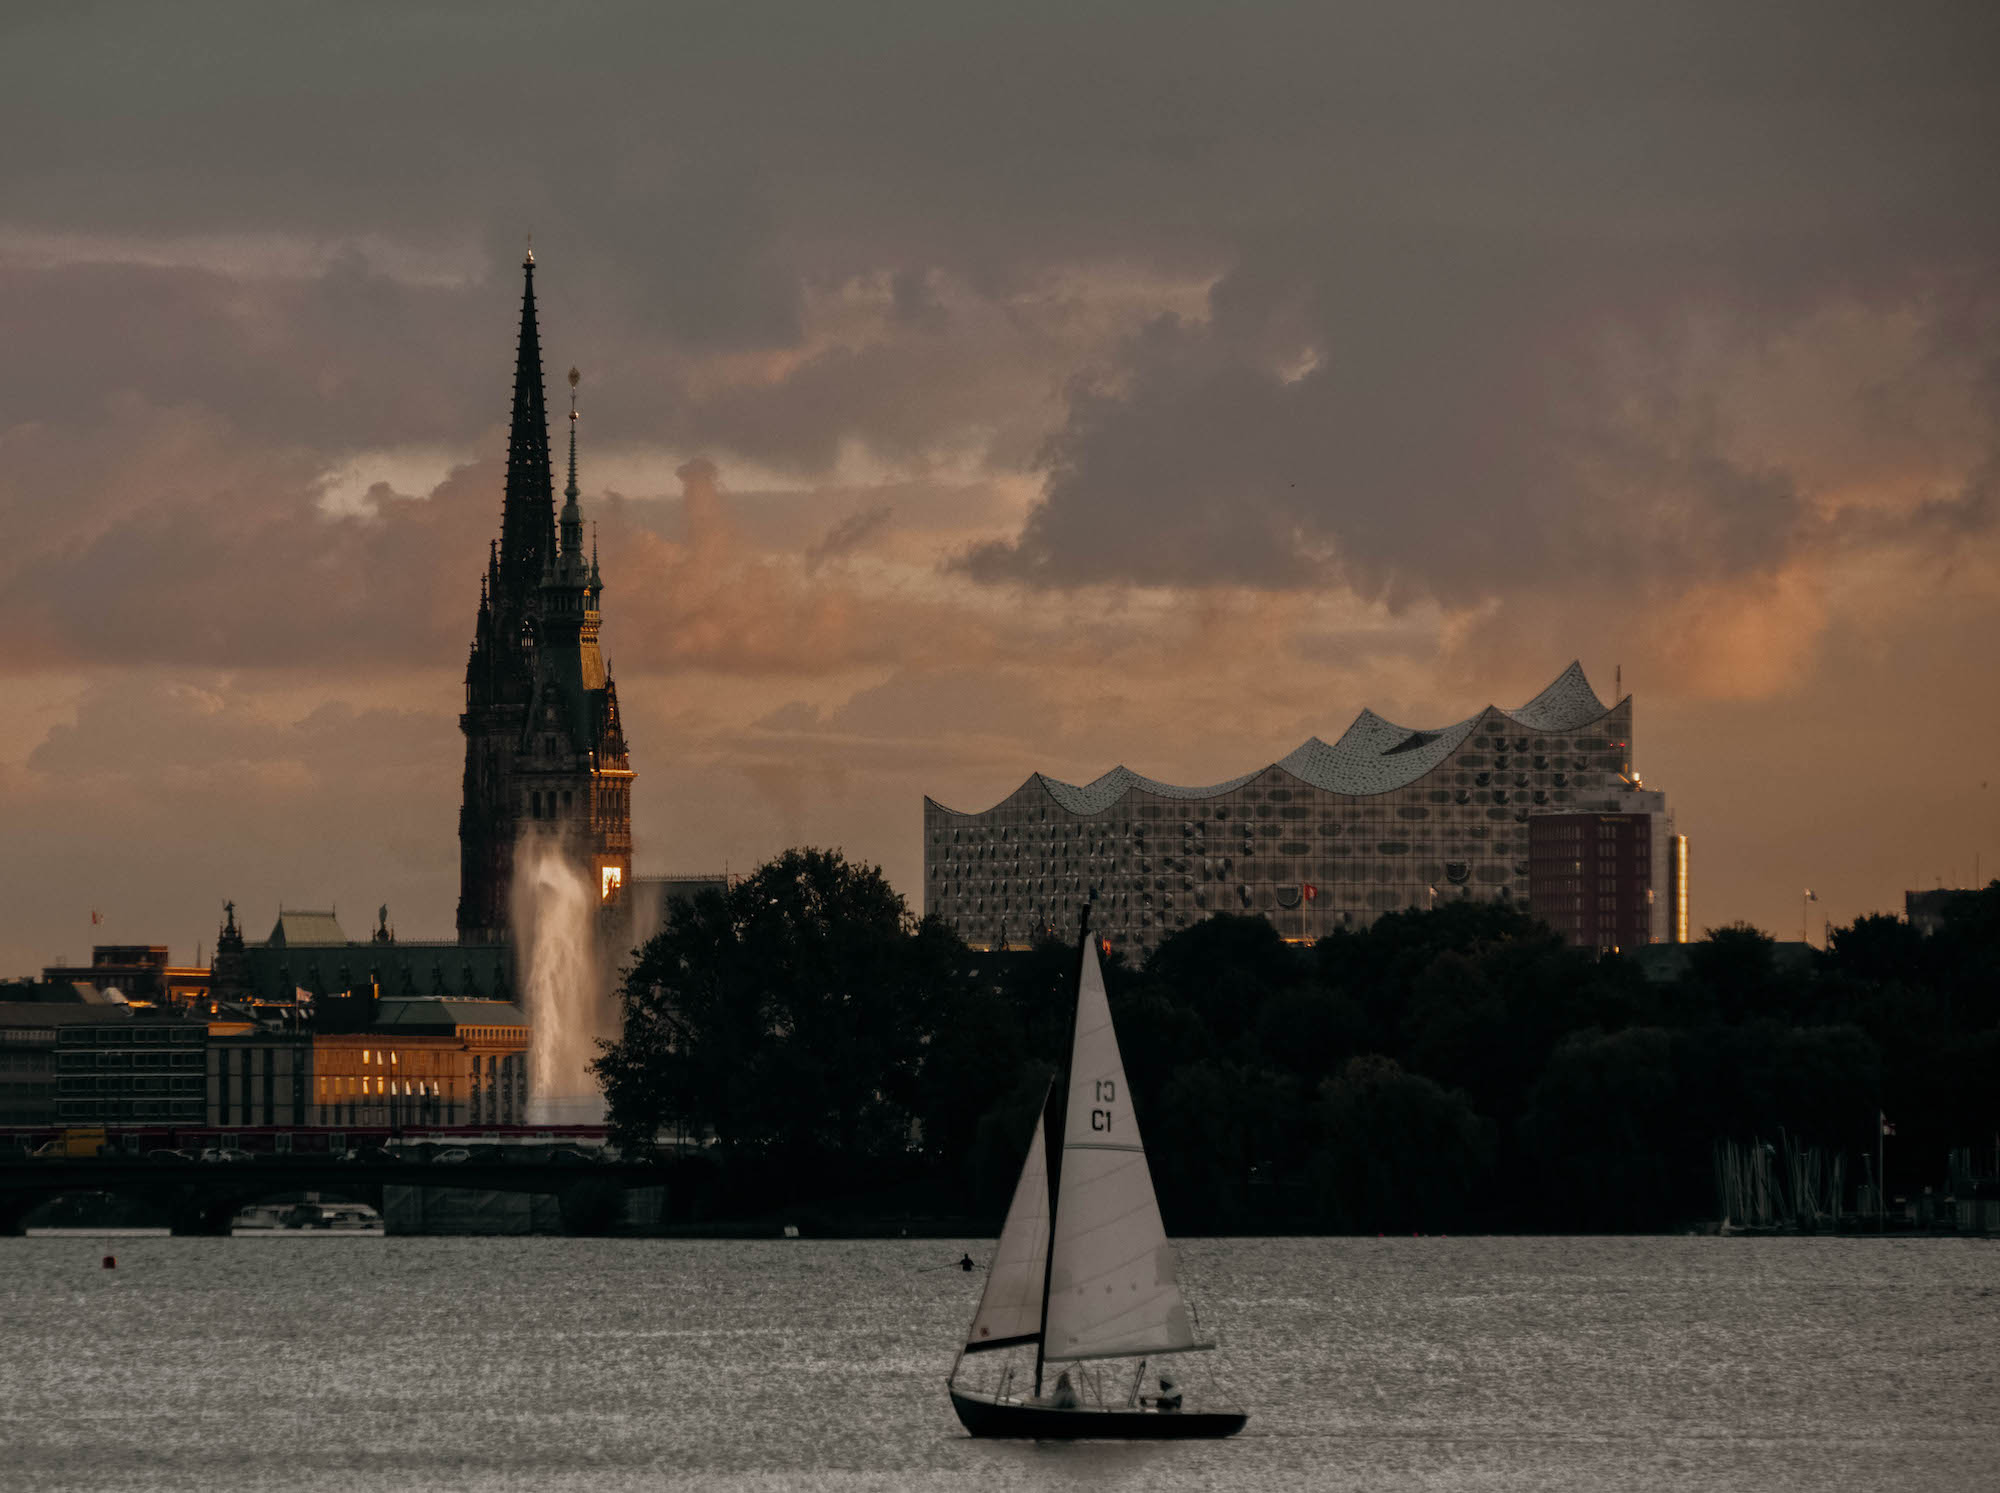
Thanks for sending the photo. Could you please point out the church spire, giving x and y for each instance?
(569, 488)
(572, 518)
(527, 524)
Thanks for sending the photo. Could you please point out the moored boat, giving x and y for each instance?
(293, 1219)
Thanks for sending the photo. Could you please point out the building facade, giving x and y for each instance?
(1926, 911)
(29, 1062)
(258, 1078)
(310, 953)
(1330, 837)
(545, 747)
(137, 1071)
(1610, 881)
(425, 1062)
(141, 974)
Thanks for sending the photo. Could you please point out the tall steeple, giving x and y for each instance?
(572, 518)
(527, 521)
(545, 751)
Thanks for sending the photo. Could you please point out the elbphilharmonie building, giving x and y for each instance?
(1333, 835)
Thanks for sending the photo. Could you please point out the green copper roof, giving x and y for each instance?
(448, 1012)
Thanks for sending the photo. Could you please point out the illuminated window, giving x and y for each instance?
(612, 877)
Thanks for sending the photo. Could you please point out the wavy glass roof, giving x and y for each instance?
(1372, 755)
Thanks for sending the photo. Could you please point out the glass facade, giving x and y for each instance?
(1304, 854)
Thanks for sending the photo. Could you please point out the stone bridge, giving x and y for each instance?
(202, 1197)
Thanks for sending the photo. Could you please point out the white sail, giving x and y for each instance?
(1011, 1309)
(1112, 1285)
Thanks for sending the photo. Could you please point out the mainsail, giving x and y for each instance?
(1011, 1310)
(1112, 1287)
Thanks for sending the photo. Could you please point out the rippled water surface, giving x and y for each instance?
(554, 1364)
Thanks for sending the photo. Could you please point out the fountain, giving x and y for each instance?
(564, 990)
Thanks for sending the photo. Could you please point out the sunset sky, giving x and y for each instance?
(970, 390)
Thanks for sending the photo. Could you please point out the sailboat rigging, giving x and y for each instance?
(1083, 1270)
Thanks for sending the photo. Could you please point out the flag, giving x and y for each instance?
(1311, 891)
(96, 917)
(1811, 895)
(1887, 1128)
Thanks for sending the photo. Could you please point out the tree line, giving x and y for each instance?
(1438, 1071)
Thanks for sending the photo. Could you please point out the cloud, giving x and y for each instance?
(847, 536)
(1222, 377)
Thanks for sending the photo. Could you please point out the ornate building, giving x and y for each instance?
(544, 749)
(1330, 837)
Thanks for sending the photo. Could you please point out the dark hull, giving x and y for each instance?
(983, 1417)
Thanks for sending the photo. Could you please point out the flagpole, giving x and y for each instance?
(1881, 1181)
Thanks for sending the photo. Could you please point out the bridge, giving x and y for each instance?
(202, 1197)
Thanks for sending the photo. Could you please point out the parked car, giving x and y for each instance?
(162, 1153)
(369, 1153)
(452, 1155)
(570, 1156)
(226, 1153)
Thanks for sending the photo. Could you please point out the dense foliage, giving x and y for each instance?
(1437, 1071)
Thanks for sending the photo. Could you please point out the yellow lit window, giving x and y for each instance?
(364, 1054)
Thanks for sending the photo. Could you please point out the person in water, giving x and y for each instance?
(965, 1263)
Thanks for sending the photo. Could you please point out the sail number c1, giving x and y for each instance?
(1107, 1093)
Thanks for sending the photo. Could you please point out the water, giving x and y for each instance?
(568, 998)
(560, 1364)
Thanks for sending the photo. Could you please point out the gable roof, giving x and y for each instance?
(298, 928)
(447, 1012)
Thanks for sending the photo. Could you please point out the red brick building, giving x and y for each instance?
(1608, 881)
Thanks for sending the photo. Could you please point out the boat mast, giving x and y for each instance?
(1055, 1127)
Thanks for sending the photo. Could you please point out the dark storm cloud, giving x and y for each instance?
(1672, 330)
(1442, 205)
(328, 360)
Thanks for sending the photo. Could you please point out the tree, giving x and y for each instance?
(1615, 1139)
(790, 1017)
(1398, 1151)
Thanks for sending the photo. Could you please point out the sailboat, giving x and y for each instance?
(1083, 1270)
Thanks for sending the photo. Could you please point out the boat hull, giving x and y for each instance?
(983, 1416)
